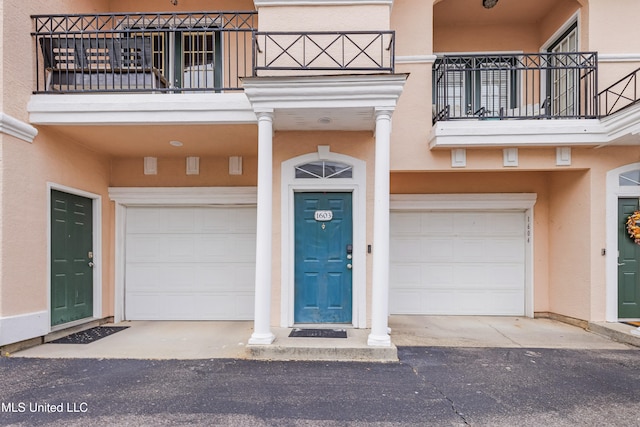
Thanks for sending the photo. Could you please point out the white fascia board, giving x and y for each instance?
(266, 3)
(517, 133)
(324, 91)
(177, 196)
(121, 109)
(487, 201)
(11, 126)
(622, 123)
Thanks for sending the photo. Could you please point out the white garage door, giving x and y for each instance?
(190, 263)
(457, 263)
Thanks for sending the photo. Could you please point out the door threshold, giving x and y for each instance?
(323, 326)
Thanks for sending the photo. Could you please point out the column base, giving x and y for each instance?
(261, 339)
(379, 340)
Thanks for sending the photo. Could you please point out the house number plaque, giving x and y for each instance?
(323, 216)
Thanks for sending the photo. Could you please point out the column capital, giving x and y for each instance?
(380, 112)
(264, 114)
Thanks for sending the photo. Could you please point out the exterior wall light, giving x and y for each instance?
(488, 4)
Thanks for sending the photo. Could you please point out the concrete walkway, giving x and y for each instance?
(209, 339)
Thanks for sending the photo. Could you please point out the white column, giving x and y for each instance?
(262, 316)
(379, 335)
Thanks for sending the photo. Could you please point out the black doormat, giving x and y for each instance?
(90, 335)
(318, 333)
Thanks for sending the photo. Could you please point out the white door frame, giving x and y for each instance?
(97, 251)
(517, 202)
(163, 196)
(357, 186)
(615, 192)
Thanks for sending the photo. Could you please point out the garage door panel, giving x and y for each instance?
(436, 223)
(405, 223)
(469, 263)
(405, 249)
(203, 269)
(436, 249)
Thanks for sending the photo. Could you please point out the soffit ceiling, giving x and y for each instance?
(450, 12)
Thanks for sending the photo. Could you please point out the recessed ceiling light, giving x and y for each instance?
(176, 143)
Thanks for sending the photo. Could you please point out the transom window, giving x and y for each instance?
(324, 169)
(629, 179)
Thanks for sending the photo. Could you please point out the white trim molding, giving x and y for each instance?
(416, 59)
(97, 246)
(23, 327)
(614, 192)
(313, 96)
(517, 133)
(618, 57)
(126, 109)
(523, 202)
(357, 187)
(164, 196)
(11, 126)
(171, 196)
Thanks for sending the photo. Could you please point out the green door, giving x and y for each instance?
(628, 265)
(323, 258)
(71, 258)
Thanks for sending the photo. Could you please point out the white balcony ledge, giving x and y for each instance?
(132, 109)
(530, 133)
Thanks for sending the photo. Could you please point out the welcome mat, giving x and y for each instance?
(318, 333)
(90, 335)
(636, 324)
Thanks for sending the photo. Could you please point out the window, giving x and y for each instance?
(480, 86)
(629, 179)
(189, 59)
(324, 169)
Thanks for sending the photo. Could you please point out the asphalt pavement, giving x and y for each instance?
(430, 386)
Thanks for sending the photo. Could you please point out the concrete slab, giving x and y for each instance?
(209, 339)
(489, 331)
(352, 348)
(158, 340)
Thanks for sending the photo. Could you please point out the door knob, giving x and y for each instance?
(90, 264)
(349, 266)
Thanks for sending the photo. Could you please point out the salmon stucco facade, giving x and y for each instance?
(317, 163)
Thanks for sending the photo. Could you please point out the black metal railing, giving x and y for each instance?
(349, 51)
(622, 94)
(143, 52)
(518, 86)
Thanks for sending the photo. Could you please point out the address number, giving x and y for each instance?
(323, 215)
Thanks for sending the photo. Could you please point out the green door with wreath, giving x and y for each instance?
(628, 264)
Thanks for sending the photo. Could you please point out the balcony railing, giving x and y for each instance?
(354, 51)
(622, 94)
(518, 86)
(143, 52)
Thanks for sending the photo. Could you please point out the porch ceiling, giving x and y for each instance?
(449, 12)
(154, 140)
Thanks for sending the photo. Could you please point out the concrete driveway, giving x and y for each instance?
(214, 340)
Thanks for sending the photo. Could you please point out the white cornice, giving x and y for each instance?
(618, 57)
(350, 91)
(17, 128)
(416, 59)
(105, 109)
(266, 3)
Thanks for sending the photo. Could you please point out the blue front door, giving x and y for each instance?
(323, 258)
